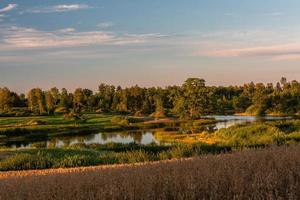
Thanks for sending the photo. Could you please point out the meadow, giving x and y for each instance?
(176, 142)
(97, 154)
(271, 173)
(39, 126)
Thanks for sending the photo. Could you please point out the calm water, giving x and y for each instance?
(140, 137)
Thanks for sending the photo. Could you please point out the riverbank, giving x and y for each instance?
(18, 129)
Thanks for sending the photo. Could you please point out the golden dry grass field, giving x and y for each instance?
(272, 173)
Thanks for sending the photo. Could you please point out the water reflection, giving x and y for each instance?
(225, 121)
(139, 137)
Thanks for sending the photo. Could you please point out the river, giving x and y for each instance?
(140, 137)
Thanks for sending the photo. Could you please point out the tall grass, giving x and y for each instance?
(253, 174)
(100, 154)
(250, 135)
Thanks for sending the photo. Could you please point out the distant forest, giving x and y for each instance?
(191, 100)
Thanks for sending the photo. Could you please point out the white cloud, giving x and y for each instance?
(9, 7)
(28, 38)
(274, 14)
(70, 7)
(67, 30)
(105, 24)
(58, 8)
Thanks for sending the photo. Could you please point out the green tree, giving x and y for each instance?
(195, 94)
(49, 102)
(36, 101)
(5, 100)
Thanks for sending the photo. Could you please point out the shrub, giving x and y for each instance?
(36, 122)
(77, 161)
(250, 135)
(25, 161)
(122, 121)
(133, 157)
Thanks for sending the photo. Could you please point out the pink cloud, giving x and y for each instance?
(276, 52)
(28, 38)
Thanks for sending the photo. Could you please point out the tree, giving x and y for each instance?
(195, 94)
(55, 95)
(180, 108)
(105, 95)
(65, 101)
(159, 108)
(5, 101)
(241, 103)
(49, 102)
(36, 101)
(78, 99)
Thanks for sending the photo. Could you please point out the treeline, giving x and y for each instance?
(191, 100)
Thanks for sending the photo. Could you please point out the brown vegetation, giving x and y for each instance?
(272, 173)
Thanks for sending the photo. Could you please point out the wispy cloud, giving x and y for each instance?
(9, 7)
(70, 7)
(274, 13)
(267, 51)
(58, 8)
(290, 57)
(67, 30)
(105, 24)
(275, 45)
(29, 38)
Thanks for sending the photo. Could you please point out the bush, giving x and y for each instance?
(77, 161)
(250, 135)
(75, 117)
(25, 161)
(36, 122)
(122, 121)
(133, 157)
(185, 151)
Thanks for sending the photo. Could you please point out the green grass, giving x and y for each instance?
(89, 155)
(250, 135)
(257, 134)
(57, 125)
(26, 128)
(103, 119)
(260, 133)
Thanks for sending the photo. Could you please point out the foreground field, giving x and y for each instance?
(254, 174)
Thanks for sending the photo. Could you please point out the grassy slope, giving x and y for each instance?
(256, 174)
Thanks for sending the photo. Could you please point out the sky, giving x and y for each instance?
(67, 43)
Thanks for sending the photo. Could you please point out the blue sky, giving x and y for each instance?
(151, 43)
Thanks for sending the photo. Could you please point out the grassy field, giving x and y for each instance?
(98, 154)
(241, 135)
(39, 126)
(178, 140)
(271, 173)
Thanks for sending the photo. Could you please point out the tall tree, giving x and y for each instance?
(195, 94)
(49, 102)
(36, 101)
(5, 101)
